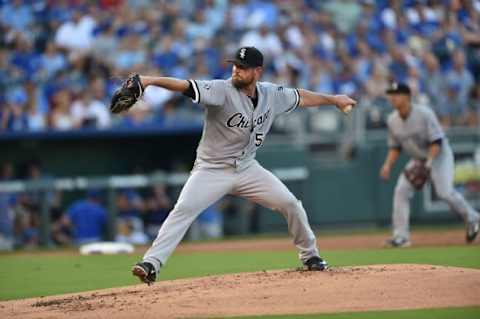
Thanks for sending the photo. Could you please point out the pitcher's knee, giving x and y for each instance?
(290, 205)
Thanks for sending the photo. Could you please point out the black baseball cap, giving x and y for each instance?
(398, 88)
(249, 57)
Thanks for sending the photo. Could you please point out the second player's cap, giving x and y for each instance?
(249, 57)
(398, 88)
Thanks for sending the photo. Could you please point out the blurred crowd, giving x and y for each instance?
(62, 59)
(77, 218)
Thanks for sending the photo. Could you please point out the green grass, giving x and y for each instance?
(444, 313)
(39, 275)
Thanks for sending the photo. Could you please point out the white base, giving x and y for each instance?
(107, 248)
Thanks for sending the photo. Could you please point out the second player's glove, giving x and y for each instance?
(127, 95)
(417, 174)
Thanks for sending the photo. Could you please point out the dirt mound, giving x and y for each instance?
(381, 287)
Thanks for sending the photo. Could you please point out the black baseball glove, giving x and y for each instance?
(417, 174)
(127, 95)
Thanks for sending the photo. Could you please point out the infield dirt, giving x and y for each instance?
(380, 287)
(292, 291)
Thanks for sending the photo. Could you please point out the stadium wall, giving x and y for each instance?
(336, 192)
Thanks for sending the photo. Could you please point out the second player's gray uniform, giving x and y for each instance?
(225, 164)
(414, 135)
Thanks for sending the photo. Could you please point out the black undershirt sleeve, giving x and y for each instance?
(189, 92)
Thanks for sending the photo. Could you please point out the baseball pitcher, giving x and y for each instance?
(416, 130)
(239, 113)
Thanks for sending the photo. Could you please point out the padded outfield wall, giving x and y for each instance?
(336, 193)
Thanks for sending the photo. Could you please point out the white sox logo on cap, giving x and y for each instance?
(248, 57)
(242, 53)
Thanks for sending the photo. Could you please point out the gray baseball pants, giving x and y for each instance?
(205, 186)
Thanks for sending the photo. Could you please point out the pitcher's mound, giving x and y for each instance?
(381, 287)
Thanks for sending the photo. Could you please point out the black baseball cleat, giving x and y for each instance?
(472, 231)
(315, 264)
(145, 272)
(398, 242)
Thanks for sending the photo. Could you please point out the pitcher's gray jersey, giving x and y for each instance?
(233, 129)
(415, 134)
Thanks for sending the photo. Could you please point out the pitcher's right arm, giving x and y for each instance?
(172, 84)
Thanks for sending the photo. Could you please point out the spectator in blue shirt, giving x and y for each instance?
(461, 76)
(451, 109)
(398, 66)
(87, 219)
(16, 15)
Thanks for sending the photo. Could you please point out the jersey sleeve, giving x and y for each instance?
(434, 129)
(287, 99)
(209, 93)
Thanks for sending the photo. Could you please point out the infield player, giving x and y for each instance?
(416, 130)
(239, 112)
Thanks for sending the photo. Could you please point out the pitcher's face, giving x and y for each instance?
(244, 76)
